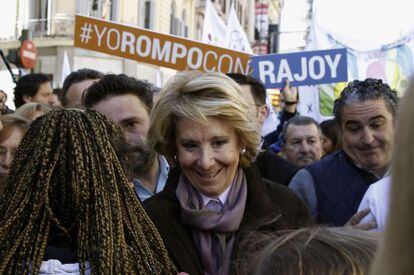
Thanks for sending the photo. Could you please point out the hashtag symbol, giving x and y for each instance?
(86, 33)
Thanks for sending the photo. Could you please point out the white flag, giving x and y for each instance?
(236, 38)
(65, 68)
(214, 29)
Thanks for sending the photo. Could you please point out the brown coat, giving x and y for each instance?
(265, 200)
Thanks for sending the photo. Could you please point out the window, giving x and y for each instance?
(199, 31)
(146, 14)
(184, 30)
(173, 19)
(147, 22)
(114, 10)
(39, 17)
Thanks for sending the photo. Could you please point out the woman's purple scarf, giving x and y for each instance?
(213, 231)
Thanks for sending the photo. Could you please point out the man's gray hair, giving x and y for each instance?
(298, 120)
(360, 91)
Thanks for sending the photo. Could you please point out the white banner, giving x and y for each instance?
(66, 70)
(214, 29)
(236, 38)
(393, 63)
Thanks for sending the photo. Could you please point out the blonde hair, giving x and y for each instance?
(198, 96)
(312, 251)
(11, 122)
(396, 252)
(28, 110)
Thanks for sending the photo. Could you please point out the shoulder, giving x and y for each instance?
(278, 190)
(268, 155)
(275, 168)
(383, 185)
(378, 191)
(56, 267)
(302, 180)
(258, 186)
(290, 205)
(282, 195)
(329, 160)
(160, 203)
(165, 203)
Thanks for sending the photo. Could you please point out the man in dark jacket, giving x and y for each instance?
(271, 166)
(333, 187)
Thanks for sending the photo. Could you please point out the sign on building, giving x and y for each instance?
(155, 48)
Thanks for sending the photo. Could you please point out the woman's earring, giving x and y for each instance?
(243, 151)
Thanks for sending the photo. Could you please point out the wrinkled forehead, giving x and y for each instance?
(364, 111)
(302, 131)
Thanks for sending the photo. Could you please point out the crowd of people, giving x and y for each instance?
(98, 177)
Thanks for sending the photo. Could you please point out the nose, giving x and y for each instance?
(367, 136)
(6, 160)
(305, 147)
(206, 159)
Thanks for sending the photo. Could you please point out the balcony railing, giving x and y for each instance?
(60, 26)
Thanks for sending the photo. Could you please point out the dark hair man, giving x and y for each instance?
(128, 102)
(334, 186)
(34, 87)
(75, 84)
(301, 141)
(271, 166)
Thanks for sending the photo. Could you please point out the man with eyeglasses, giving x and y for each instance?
(271, 166)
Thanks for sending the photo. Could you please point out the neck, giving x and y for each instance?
(149, 179)
(379, 173)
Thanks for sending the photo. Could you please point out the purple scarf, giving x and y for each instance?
(213, 231)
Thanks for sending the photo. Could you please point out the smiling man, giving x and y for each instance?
(333, 187)
(128, 102)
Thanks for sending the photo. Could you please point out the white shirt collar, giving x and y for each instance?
(221, 198)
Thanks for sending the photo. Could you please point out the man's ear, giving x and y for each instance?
(262, 113)
(27, 98)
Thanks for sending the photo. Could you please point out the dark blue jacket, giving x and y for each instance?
(339, 186)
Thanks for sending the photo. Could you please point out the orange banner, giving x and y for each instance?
(155, 48)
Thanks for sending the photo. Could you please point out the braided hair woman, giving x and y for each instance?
(68, 200)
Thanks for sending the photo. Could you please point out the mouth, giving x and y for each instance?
(308, 158)
(368, 150)
(207, 175)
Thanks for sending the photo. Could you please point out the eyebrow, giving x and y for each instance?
(184, 139)
(376, 117)
(369, 120)
(131, 118)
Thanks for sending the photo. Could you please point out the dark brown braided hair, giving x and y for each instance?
(67, 184)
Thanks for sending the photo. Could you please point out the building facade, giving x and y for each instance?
(51, 24)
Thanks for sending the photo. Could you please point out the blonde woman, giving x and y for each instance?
(14, 128)
(202, 124)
